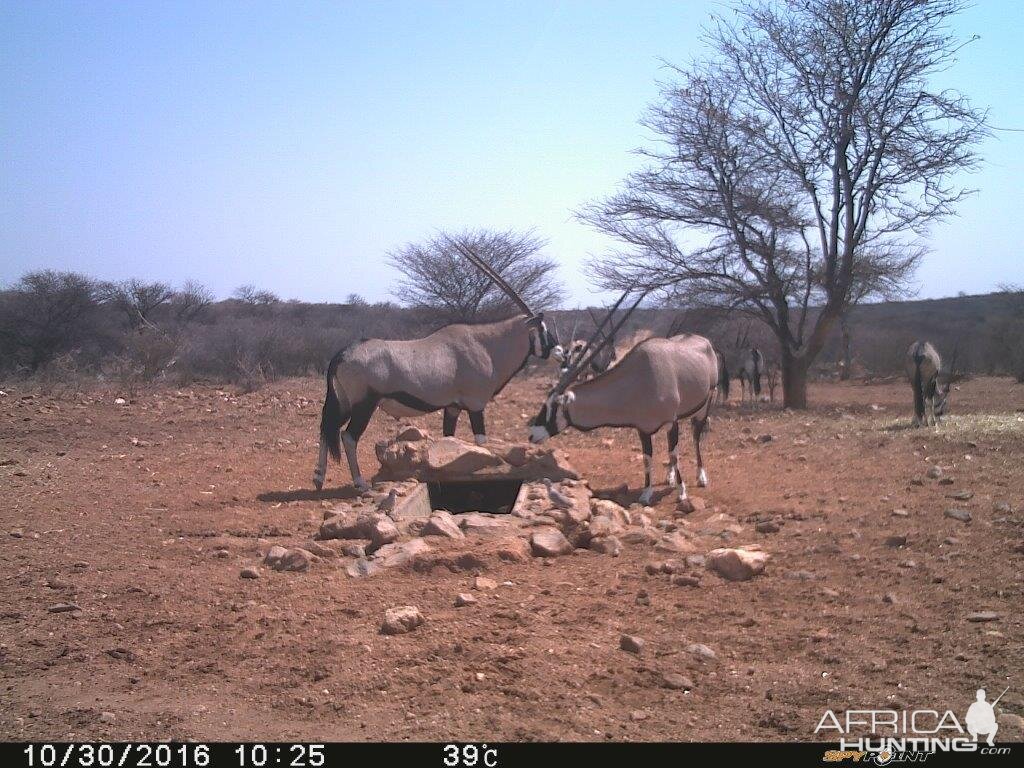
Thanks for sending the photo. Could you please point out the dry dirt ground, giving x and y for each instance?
(112, 508)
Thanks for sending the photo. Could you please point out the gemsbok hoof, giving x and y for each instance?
(646, 496)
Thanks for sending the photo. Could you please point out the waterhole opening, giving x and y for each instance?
(496, 496)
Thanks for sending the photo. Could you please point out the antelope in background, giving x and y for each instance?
(751, 369)
(930, 396)
(577, 350)
(657, 383)
(456, 368)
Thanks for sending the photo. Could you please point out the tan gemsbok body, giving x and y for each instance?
(456, 368)
(922, 366)
(658, 383)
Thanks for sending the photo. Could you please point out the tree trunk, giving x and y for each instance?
(844, 372)
(794, 380)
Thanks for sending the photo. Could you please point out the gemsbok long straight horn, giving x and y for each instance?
(577, 349)
(457, 368)
(656, 384)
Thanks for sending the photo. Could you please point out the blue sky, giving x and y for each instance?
(291, 145)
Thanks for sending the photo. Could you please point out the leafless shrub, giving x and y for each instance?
(44, 315)
(438, 279)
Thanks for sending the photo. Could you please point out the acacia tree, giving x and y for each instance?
(137, 300)
(808, 150)
(46, 314)
(437, 277)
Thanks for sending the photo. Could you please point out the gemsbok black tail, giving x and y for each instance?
(723, 376)
(918, 381)
(335, 413)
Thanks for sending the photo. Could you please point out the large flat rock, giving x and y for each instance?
(449, 458)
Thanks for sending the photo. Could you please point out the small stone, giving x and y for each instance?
(685, 506)
(442, 523)
(249, 573)
(983, 616)
(282, 559)
(398, 621)
(946, 481)
(701, 652)
(64, 608)
(962, 495)
(482, 582)
(320, 550)
(737, 564)
(354, 550)
(765, 438)
(895, 541)
(636, 715)
(958, 514)
(654, 569)
(606, 545)
(463, 599)
(934, 472)
(550, 544)
(1002, 507)
(361, 568)
(900, 513)
(107, 717)
(767, 526)
(889, 598)
(412, 434)
(380, 532)
(631, 643)
(676, 682)
(684, 580)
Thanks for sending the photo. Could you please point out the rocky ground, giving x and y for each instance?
(168, 572)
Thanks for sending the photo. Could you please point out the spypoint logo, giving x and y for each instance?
(912, 735)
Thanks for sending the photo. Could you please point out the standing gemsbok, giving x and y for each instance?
(656, 384)
(922, 365)
(749, 372)
(458, 367)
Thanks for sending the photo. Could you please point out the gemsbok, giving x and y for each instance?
(750, 371)
(656, 384)
(577, 349)
(930, 395)
(457, 368)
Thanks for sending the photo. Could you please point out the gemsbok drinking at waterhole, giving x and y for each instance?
(457, 368)
(930, 395)
(657, 383)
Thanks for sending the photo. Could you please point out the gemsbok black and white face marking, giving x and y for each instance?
(543, 342)
(552, 417)
(572, 355)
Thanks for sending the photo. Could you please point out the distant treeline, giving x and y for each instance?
(64, 326)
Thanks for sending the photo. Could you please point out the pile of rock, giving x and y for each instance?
(554, 514)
